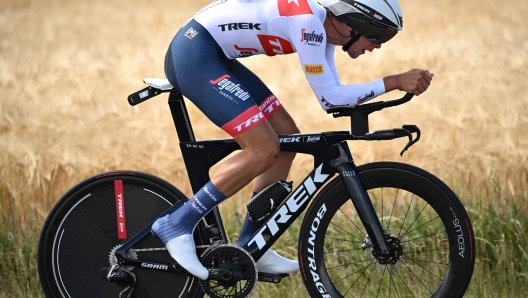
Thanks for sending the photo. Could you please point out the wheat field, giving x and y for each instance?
(67, 66)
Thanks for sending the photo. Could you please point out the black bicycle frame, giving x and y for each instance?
(331, 155)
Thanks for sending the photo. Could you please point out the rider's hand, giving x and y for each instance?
(414, 81)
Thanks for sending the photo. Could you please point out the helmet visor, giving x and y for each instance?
(373, 31)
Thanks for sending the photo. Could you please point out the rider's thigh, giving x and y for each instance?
(277, 116)
(283, 123)
(260, 141)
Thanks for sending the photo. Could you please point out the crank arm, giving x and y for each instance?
(270, 277)
(220, 274)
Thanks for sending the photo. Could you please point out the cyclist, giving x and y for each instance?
(202, 64)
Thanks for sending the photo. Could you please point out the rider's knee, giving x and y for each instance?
(270, 152)
(266, 156)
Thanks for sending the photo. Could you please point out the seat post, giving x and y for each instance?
(180, 117)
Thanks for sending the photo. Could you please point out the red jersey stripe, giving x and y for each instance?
(243, 122)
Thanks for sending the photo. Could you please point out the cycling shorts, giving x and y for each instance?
(228, 93)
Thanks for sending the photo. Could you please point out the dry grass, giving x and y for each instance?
(66, 67)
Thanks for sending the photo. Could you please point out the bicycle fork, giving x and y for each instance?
(347, 169)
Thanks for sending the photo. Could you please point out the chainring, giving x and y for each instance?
(236, 259)
(112, 259)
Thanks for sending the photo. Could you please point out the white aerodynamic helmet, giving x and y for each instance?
(377, 20)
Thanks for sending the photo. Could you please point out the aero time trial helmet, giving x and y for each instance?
(377, 20)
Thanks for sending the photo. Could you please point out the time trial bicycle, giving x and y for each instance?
(382, 229)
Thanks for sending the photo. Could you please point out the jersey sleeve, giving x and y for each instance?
(308, 37)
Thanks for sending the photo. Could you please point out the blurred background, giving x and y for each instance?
(67, 66)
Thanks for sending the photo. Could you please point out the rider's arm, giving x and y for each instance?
(317, 61)
(329, 54)
(332, 93)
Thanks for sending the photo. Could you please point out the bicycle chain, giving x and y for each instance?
(132, 253)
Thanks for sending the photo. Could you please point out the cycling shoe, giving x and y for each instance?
(183, 251)
(272, 262)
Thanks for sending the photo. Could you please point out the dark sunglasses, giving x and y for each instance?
(373, 31)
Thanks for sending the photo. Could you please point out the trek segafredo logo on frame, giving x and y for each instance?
(295, 204)
(227, 88)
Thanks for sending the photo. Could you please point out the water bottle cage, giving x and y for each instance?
(267, 201)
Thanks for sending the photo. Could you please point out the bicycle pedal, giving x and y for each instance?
(271, 277)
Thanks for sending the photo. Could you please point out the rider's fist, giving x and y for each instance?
(414, 81)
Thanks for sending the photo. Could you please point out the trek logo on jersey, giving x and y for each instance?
(254, 120)
(229, 89)
(243, 122)
(367, 97)
(288, 8)
(191, 33)
(240, 26)
(314, 69)
(313, 38)
(274, 45)
(244, 52)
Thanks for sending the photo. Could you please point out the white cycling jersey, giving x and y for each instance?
(244, 28)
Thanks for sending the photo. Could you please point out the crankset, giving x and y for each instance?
(232, 272)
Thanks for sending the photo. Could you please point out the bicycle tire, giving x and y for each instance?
(81, 230)
(424, 220)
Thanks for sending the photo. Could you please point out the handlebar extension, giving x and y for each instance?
(359, 114)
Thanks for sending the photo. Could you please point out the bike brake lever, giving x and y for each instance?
(410, 128)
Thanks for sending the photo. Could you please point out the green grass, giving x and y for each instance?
(500, 224)
(18, 251)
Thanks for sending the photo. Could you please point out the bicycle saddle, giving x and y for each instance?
(158, 83)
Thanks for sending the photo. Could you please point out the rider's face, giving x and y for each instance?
(359, 47)
(338, 33)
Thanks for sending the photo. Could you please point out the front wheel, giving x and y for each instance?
(423, 221)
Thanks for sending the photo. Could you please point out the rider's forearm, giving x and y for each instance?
(391, 83)
(332, 95)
